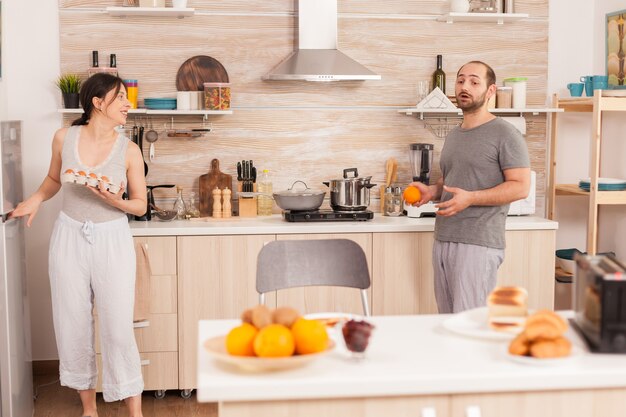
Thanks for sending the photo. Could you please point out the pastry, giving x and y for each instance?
(520, 345)
(550, 348)
(507, 308)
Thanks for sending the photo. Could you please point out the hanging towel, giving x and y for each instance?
(142, 283)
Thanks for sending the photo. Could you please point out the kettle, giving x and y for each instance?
(150, 201)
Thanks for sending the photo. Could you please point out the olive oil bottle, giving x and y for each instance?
(439, 77)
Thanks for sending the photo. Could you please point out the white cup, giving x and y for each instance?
(183, 100)
(179, 4)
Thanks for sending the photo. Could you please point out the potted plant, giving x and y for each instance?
(69, 84)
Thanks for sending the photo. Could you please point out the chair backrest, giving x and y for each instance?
(299, 263)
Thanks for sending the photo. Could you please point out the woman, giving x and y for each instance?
(92, 255)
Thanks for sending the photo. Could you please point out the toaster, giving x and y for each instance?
(600, 302)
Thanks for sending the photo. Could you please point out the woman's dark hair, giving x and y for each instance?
(98, 85)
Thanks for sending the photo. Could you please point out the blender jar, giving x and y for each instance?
(421, 159)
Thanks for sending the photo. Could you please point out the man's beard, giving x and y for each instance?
(473, 105)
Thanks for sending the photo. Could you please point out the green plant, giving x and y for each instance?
(69, 83)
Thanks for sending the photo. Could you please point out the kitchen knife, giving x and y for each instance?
(253, 175)
(238, 171)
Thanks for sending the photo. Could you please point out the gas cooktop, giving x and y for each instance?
(327, 216)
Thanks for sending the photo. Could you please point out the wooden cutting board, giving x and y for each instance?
(214, 178)
(198, 70)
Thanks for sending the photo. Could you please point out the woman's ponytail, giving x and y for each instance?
(82, 120)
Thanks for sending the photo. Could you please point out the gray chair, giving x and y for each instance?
(299, 263)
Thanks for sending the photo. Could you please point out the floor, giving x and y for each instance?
(56, 401)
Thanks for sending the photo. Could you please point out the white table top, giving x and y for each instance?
(408, 355)
(275, 224)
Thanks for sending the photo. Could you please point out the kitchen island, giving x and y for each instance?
(207, 270)
(415, 367)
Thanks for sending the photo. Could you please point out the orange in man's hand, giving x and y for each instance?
(411, 194)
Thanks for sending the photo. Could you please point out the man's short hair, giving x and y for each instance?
(491, 75)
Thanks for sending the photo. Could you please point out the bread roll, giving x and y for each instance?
(550, 348)
(507, 308)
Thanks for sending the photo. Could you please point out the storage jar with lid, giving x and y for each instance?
(217, 96)
(503, 97)
(519, 91)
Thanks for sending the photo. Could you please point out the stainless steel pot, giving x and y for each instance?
(350, 194)
(306, 199)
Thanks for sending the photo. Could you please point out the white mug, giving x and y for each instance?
(183, 100)
(179, 4)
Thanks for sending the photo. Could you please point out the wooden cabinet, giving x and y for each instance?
(323, 299)
(402, 279)
(216, 280)
(598, 105)
(157, 337)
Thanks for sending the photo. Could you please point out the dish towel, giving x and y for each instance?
(142, 283)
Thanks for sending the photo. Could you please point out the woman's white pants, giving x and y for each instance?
(95, 261)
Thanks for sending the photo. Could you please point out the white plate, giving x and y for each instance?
(529, 360)
(474, 323)
(604, 181)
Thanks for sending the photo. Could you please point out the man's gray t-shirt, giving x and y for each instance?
(473, 159)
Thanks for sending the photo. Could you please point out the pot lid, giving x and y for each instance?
(352, 179)
(292, 192)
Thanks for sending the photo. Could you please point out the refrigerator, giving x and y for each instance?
(16, 376)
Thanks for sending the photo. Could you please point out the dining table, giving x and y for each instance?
(418, 365)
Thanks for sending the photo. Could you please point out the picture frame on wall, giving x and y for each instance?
(616, 48)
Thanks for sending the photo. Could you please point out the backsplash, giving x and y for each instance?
(301, 130)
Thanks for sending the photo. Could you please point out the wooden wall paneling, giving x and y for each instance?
(290, 127)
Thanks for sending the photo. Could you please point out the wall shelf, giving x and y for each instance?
(150, 11)
(161, 112)
(424, 113)
(499, 18)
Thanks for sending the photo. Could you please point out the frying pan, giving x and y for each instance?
(197, 70)
(306, 199)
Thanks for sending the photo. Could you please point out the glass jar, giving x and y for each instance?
(132, 92)
(217, 96)
(192, 209)
(504, 97)
(397, 202)
(388, 201)
(484, 6)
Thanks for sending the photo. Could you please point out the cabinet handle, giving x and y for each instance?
(429, 412)
(145, 362)
(472, 411)
(140, 324)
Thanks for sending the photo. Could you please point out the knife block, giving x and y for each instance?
(247, 205)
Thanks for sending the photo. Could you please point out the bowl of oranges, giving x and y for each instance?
(271, 340)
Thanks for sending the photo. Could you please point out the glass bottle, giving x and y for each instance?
(388, 201)
(192, 209)
(265, 202)
(397, 201)
(179, 204)
(439, 77)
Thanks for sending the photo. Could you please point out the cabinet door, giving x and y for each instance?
(323, 299)
(529, 263)
(434, 406)
(582, 403)
(403, 274)
(159, 370)
(216, 280)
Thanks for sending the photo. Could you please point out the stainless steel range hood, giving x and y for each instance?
(316, 57)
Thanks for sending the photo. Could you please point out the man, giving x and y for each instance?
(485, 166)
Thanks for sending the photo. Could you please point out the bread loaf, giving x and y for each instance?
(507, 308)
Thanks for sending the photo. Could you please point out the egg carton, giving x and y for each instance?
(89, 178)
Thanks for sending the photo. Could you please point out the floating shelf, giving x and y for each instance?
(498, 18)
(161, 112)
(458, 112)
(150, 11)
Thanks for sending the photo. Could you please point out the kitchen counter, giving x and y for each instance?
(428, 360)
(275, 224)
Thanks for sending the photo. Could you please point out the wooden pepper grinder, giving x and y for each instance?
(217, 202)
(226, 208)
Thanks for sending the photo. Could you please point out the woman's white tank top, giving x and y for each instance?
(79, 202)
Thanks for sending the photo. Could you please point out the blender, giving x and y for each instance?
(421, 160)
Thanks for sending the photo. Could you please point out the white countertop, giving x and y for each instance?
(275, 224)
(408, 355)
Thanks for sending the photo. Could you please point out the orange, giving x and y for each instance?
(310, 336)
(411, 194)
(274, 341)
(239, 341)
